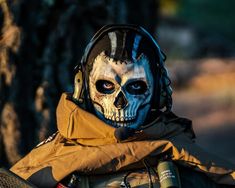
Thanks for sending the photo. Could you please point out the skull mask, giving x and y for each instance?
(121, 91)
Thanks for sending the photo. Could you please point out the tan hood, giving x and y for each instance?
(90, 147)
(76, 123)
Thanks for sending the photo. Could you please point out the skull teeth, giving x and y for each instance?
(119, 119)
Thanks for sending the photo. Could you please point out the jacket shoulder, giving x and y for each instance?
(194, 179)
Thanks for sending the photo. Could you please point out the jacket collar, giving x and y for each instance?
(75, 123)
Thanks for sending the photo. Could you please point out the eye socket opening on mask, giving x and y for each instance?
(105, 86)
(137, 87)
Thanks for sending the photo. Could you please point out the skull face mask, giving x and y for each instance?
(123, 77)
(121, 91)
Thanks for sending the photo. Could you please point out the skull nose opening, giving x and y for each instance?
(120, 101)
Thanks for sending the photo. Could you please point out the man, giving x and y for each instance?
(117, 128)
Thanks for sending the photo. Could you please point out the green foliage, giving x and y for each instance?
(169, 7)
(49, 3)
(210, 15)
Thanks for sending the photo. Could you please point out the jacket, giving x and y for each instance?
(88, 146)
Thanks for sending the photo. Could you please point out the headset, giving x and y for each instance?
(162, 80)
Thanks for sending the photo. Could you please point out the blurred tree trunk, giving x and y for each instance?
(41, 42)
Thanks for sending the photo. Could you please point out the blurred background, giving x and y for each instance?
(42, 41)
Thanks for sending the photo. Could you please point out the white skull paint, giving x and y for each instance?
(121, 91)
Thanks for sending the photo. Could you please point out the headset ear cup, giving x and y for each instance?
(78, 86)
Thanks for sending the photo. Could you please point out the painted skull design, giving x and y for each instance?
(121, 91)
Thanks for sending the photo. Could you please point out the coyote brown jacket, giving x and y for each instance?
(88, 146)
